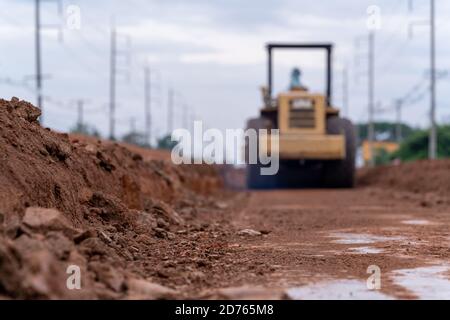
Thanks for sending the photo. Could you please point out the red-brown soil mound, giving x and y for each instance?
(96, 205)
(429, 180)
(418, 177)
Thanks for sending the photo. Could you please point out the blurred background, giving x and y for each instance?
(136, 70)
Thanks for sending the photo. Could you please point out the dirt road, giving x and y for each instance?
(321, 243)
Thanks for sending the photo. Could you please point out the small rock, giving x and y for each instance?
(170, 236)
(45, 219)
(90, 148)
(12, 225)
(249, 232)
(85, 194)
(112, 278)
(95, 247)
(25, 110)
(80, 237)
(59, 245)
(425, 204)
(105, 162)
(58, 150)
(144, 221)
(137, 157)
(246, 293)
(197, 275)
(44, 276)
(104, 237)
(43, 152)
(162, 223)
(144, 239)
(160, 233)
(163, 209)
(220, 205)
(202, 263)
(163, 273)
(139, 289)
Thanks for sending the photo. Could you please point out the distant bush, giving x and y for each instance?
(166, 142)
(384, 131)
(416, 146)
(86, 130)
(382, 157)
(136, 138)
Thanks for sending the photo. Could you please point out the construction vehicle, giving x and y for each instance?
(316, 146)
(378, 147)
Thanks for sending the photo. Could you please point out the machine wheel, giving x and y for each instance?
(253, 174)
(298, 175)
(341, 173)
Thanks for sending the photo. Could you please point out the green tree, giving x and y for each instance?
(166, 142)
(136, 138)
(382, 157)
(384, 129)
(85, 129)
(416, 146)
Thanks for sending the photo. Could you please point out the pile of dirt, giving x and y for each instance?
(427, 178)
(72, 206)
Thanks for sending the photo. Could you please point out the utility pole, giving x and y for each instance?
(345, 91)
(38, 54)
(112, 84)
(371, 93)
(37, 8)
(186, 116)
(170, 111)
(132, 125)
(433, 137)
(398, 127)
(147, 105)
(192, 120)
(80, 108)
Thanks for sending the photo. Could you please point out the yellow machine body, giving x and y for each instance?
(302, 124)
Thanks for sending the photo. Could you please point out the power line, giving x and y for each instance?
(371, 94)
(398, 127)
(433, 133)
(38, 57)
(147, 105)
(10, 20)
(114, 71)
(170, 105)
(432, 145)
(345, 91)
(112, 84)
(385, 45)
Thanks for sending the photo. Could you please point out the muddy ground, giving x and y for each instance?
(139, 227)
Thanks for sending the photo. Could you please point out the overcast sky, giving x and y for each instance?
(212, 53)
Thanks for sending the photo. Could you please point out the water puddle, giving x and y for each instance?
(356, 238)
(365, 250)
(336, 290)
(431, 283)
(426, 282)
(417, 222)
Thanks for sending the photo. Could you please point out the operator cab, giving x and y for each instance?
(296, 84)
